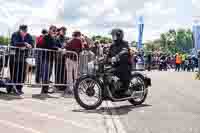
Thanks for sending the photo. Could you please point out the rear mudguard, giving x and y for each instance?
(147, 80)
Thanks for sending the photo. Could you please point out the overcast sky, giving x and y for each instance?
(99, 16)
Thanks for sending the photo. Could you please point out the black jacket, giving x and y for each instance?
(120, 50)
(50, 46)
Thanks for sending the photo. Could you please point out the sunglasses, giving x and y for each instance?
(54, 31)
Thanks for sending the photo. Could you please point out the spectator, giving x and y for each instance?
(60, 73)
(96, 48)
(101, 50)
(75, 45)
(140, 62)
(149, 61)
(39, 44)
(85, 44)
(39, 40)
(20, 39)
(50, 43)
(183, 57)
(178, 62)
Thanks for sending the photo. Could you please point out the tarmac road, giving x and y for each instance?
(171, 107)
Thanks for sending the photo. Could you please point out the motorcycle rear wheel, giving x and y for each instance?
(89, 92)
(142, 100)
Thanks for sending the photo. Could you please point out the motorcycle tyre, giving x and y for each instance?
(78, 100)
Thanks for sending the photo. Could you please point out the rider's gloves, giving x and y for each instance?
(113, 60)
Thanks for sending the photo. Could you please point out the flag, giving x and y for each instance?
(196, 36)
(140, 35)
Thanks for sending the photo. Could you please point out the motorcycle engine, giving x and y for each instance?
(135, 85)
(115, 81)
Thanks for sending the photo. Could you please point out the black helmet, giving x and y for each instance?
(117, 34)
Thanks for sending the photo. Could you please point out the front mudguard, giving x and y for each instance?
(95, 77)
(147, 80)
(101, 82)
(92, 76)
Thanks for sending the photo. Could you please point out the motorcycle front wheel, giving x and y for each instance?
(88, 93)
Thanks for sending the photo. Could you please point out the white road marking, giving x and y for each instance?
(11, 124)
(47, 116)
(110, 127)
(113, 122)
(116, 119)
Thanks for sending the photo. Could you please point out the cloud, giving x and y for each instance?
(97, 16)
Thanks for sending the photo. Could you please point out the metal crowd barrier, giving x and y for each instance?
(23, 66)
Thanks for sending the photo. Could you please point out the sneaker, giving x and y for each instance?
(9, 90)
(21, 92)
(16, 92)
(52, 90)
(68, 93)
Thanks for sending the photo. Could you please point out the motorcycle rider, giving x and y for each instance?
(119, 57)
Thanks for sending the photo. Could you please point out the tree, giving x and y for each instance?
(102, 39)
(163, 40)
(133, 44)
(4, 40)
(176, 41)
(152, 46)
(184, 40)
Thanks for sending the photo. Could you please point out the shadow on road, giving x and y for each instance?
(9, 97)
(42, 97)
(120, 110)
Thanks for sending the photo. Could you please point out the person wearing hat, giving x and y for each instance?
(20, 39)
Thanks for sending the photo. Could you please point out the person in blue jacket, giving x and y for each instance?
(21, 42)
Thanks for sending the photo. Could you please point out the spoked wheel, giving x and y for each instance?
(138, 85)
(88, 93)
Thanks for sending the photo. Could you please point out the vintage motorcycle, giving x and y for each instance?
(100, 84)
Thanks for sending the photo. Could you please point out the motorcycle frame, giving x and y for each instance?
(107, 94)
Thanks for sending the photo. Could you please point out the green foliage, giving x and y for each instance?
(4, 40)
(133, 44)
(102, 39)
(172, 42)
